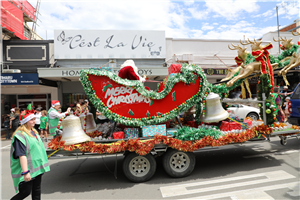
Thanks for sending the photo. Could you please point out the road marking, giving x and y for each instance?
(176, 190)
(8, 146)
(253, 194)
(272, 154)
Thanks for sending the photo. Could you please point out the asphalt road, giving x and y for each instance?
(265, 170)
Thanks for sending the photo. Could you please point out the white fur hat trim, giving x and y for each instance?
(129, 63)
(27, 119)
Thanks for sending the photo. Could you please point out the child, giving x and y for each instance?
(44, 125)
(286, 108)
(11, 115)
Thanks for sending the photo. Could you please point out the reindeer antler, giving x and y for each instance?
(297, 33)
(235, 47)
(246, 42)
(280, 39)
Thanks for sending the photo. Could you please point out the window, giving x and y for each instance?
(296, 94)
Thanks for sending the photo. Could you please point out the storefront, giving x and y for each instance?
(19, 90)
(20, 83)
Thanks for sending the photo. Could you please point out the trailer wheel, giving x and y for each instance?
(139, 168)
(178, 164)
(283, 140)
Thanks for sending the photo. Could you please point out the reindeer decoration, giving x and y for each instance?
(294, 58)
(261, 56)
(240, 60)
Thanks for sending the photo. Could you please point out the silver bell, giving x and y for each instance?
(214, 111)
(90, 122)
(72, 131)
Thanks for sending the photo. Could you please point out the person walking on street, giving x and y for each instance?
(37, 119)
(54, 117)
(28, 158)
(15, 120)
(11, 115)
(6, 124)
(44, 126)
(285, 93)
(277, 99)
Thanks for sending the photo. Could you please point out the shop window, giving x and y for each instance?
(70, 99)
(32, 96)
(7, 102)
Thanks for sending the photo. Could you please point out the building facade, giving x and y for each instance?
(20, 82)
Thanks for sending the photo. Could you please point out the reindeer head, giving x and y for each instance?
(287, 44)
(254, 45)
(242, 53)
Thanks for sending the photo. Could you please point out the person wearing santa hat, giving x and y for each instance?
(28, 158)
(54, 116)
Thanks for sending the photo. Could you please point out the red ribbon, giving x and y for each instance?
(238, 60)
(259, 56)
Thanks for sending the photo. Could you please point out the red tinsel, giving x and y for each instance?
(144, 147)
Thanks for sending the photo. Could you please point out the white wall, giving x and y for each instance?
(269, 37)
(204, 50)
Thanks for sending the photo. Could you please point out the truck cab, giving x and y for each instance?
(294, 106)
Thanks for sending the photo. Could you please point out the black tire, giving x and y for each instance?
(253, 115)
(178, 164)
(283, 141)
(139, 168)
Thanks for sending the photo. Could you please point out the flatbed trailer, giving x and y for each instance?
(176, 163)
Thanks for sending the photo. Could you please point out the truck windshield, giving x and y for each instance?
(296, 94)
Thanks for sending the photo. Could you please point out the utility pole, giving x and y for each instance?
(278, 28)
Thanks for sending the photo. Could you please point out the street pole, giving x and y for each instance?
(278, 28)
(1, 51)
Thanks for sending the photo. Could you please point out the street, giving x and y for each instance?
(265, 170)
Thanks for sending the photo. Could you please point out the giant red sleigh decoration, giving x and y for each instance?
(128, 102)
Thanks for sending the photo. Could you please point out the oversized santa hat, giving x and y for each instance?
(27, 115)
(130, 71)
(55, 103)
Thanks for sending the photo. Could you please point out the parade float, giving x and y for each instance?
(147, 123)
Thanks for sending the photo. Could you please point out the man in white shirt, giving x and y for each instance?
(54, 117)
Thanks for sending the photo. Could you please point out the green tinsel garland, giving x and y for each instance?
(249, 59)
(264, 86)
(288, 52)
(190, 133)
(187, 75)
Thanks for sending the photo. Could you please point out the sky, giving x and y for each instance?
(207, 19)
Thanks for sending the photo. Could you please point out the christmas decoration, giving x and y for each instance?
(153, 130)
(143, 147)
(115, 101)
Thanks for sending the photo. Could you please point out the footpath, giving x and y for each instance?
(3, 134)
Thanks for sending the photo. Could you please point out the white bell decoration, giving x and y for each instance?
(214, 112)
(72, 131)
(90, 122)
